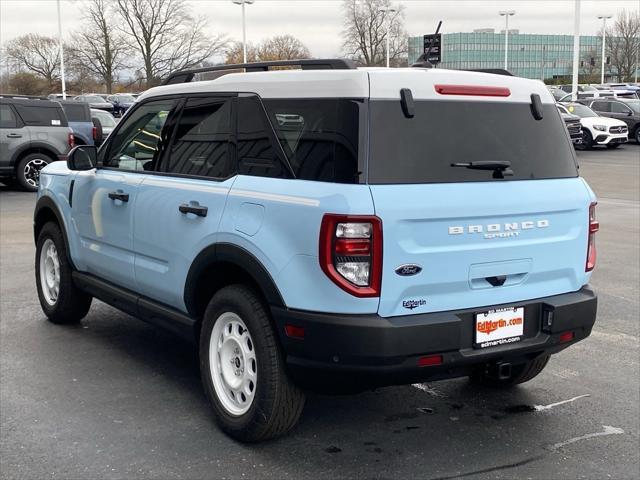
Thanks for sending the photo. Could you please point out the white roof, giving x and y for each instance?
(375, 83)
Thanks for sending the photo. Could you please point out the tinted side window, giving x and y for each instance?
(319, 136)
(7, 117)
(202, 140)
(136, 144)
(601, 106)
(617, 107)
(257, 155)
(76, 113)
(44, 116)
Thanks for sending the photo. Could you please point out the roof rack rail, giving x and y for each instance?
(185, 76)
(23, 97)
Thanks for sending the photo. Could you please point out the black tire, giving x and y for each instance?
(277, 402)
(71, 304)
(587, 140)
(28, 170)
(519, 374)
(637, 134)
(613, 145)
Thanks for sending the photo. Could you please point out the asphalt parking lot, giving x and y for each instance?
(115, 398)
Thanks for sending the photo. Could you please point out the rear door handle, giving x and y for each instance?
(14, 135)
(124, 197)
(198, 210)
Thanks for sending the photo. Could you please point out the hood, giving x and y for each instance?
(567, 117)
(609, 122)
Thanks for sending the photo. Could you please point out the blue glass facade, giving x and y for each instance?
(530, 55)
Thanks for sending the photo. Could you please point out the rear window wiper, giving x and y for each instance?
(500, 168)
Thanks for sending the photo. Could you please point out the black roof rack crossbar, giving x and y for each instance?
(185, 76)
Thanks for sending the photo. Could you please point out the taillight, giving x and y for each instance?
(351, 253)
(594, 226)
(70, 140)
(95, 133)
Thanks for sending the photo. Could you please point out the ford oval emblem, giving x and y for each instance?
(408, 270)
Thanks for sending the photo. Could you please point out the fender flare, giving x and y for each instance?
(238, 256)
(47, 203)
(31, 145)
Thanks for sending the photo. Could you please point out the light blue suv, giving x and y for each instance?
(330, 228)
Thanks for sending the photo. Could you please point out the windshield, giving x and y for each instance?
(121, 98)
(93, 99)
(634, 105)
(580, 110)
(106, 120)
(423, 148)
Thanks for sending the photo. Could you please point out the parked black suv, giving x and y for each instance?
(33, 133)
(574, 127)
(627, 110)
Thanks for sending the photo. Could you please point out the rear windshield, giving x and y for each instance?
(76, 113)
(422, 149)
(43, 116)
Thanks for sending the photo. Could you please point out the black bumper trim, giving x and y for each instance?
(387, 349)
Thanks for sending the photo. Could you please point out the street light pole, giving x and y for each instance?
(506, 14)
(64, 88)
(604, 32)
(576, 50)
(244, 27)
(389, 9)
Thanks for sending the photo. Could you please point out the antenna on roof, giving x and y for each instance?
(432, 54)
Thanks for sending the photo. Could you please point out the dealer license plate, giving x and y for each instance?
(499, 327)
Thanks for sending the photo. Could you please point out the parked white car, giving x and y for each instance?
(597, 130)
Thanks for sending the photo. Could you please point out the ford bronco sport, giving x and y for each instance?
(33, 133)
(328, 227)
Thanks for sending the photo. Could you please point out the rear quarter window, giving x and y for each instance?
(7, 117)
(422, 149)
(319, 136)
(42, 116)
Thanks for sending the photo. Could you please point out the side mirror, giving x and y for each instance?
(82, 157)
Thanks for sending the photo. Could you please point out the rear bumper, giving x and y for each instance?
(376, 351)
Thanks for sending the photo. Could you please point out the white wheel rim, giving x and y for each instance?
(233, 365)
(32, 171)
(49, 272)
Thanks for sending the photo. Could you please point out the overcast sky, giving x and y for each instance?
(319, 23)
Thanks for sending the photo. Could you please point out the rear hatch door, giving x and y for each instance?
(457, 237)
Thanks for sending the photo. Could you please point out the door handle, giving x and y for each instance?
(123, 197)
(14, 135)
(198, 210)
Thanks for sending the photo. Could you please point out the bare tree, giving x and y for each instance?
(365, 32)
(98, 47)
(38, 54)
(283, 47)
(27, 83)
(623, 43)
(166, 36)
(234, 53)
